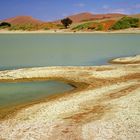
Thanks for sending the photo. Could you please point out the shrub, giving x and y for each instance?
(46, 28)
(126, 22)
(5, 25)
(89, 26)
(82, 26)
(60, 26)
(99, 27)
(33, 27)
(24, 27)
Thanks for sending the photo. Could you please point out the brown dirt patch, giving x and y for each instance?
(93, 112)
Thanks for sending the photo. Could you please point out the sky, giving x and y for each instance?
(48, 10)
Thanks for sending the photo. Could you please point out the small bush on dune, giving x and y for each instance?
(25, 27)
(4, 25)
(46, 28)
(82, 26)
(100, 27)
(21, 27)
(60, 26)
(89, 26)
(33, 27)
(126, 22)
(79, 27)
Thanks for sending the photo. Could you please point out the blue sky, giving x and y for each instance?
(55, 9)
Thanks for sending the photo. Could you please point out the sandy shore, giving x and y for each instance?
(132, 30)
(125, 60)
(107, 108)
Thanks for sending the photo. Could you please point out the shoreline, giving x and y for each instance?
(125, 31)
(107, 103)
(10, 112)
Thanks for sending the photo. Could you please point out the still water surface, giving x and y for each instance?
(17, 93)
(33, 50)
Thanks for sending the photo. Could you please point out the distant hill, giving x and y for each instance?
(82, 21)
(135, 15)
(77, 18)
(23, 20)
(89, 16)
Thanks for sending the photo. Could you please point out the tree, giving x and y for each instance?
(66, 22)
(5, 24)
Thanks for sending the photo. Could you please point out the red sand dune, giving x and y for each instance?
(75, 18)
(107, 24)
(23, 20)
(88, 16)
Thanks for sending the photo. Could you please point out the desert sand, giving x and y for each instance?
(68, 31)
(107, 108)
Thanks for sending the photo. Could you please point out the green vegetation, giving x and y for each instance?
(46, 28)
(31, 27)
(123, 23)
(89, 26)
(126, 22)
(5, 25)
(100, 27)
(66, 22)
(82, 26)
(60, 26)
(28, 27)
(87, 20)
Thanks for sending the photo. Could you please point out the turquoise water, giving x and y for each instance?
(32, 50)
(17, 93)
